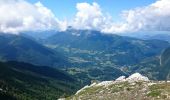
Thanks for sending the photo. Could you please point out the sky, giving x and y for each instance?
(107, 16)
(66, 8)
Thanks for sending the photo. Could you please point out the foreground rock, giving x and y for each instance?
(135, 87)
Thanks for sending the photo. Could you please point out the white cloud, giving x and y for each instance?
(90, 17)
(19, 15)
(154, 17)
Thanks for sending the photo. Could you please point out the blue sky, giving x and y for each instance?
(67, 8)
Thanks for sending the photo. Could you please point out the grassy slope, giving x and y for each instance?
(125, 91)
(28, 82)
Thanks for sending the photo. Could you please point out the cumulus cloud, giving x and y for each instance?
(19, 15)
(154, 17)
(90, 17)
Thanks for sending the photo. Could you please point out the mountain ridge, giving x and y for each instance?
(24, 49)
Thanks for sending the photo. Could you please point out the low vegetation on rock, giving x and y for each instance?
(135, 87)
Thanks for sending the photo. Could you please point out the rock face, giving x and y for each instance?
(121, 78)
(105, 83)
(137, 77)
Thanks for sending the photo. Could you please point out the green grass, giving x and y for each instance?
(161, 90)
(28, 82)
(154, 93)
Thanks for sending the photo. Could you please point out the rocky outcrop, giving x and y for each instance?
(136, 77)
(134, 87)
(133, 78)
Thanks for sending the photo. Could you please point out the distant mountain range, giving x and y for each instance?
(98, 55)
(124, 50)
(165, 37)
(23, 81)
(83, 52)
(158, 36)
(25, 49)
